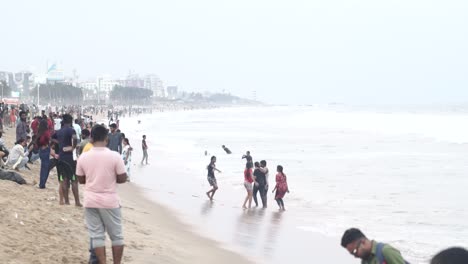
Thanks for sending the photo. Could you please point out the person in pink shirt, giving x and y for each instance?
(100, 170)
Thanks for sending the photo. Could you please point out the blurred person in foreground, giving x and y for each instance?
(369, 251)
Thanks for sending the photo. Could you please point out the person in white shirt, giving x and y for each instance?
(17, 158)
(77, 128)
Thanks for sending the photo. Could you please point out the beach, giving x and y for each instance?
(36, 229)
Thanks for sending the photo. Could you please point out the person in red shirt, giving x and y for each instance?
(35, 124)
(248, 184)
(43, 141)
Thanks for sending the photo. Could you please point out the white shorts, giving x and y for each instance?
(248, 186)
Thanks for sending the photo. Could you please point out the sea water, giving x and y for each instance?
(398, 174)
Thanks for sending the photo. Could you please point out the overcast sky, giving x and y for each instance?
(315, 51)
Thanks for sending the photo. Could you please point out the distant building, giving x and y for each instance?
(20, 83)
(172, 92)
(152, 82)
(134, 80)
(55, 73)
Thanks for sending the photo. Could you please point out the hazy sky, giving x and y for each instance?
(292, 51)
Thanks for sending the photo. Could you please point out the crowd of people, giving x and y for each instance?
(255, 181)
(70, 141)
(96, 154)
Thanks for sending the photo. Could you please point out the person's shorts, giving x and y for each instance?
(248, 186)
(212, 181)
(66, 169)
(100, 220)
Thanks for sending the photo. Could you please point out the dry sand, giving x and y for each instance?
(36, 229)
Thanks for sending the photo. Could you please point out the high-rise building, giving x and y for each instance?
(172, 92)
(152, 82)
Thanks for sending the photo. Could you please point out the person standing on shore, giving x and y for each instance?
(211, 178)
(43, 141)
(100, 170)
(266, 172)
(281, 187)
(66, 138)
(127, 156)
(260, 185)
(84, 141)
(115, 139)
(144, 146)
(248, 180)
(370, 252)
(248, 157)
(22, 129)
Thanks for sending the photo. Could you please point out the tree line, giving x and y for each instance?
(130, 94)
(58, 92)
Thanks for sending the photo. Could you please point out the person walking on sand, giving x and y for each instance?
(369, 251)
(100, 170)
(211, 178)
(248, 180)
(144, 146)
(127, 156)
(281, 187)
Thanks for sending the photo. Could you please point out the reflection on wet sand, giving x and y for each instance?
(249, 224)
(272, 233)
(206, 208)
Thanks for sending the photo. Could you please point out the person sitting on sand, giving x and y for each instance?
(17, 158)
(211, 178)
(100, 170)
(281, 187)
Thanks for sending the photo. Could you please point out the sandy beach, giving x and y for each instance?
(36, 229)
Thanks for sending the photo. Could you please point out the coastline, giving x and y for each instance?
(36, 229)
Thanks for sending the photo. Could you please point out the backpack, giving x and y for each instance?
(380, 256)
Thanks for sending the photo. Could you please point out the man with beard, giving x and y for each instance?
(22, 129)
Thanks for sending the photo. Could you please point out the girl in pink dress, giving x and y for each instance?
(281, 187)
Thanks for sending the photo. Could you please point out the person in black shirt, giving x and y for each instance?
(211, 178)
(260, 185)
(248, 157)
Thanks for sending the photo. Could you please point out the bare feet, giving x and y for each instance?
(78, 205)
(209, 197)
(61, 203)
